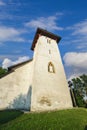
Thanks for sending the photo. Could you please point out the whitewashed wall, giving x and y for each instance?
(16, 88)
(50, 90)
(32, 86)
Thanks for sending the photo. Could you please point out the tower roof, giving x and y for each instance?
(44, 33)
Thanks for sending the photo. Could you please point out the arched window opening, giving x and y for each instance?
(51, 68)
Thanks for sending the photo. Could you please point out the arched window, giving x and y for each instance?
(51, 68)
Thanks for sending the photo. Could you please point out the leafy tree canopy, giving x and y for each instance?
(79, 85)
(2, 71)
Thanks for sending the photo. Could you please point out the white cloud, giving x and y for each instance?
(79, 34)
(10, 34)
(75, 63)
(80, 28)
(76, 59)
(7, 62)
(3, 56)
(2, 3)
(44, 22)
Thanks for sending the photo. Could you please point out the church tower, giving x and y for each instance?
(49, 86)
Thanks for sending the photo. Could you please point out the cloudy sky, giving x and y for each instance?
(66, 18)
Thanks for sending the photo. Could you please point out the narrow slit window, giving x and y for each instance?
(48, 41)
(49, 51)
(51, 68)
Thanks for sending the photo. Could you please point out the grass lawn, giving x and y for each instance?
(72, 119)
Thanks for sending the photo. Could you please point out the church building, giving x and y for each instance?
(38, 84)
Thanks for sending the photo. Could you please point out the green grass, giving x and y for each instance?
(72, 119)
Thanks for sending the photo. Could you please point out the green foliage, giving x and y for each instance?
(80, 89)
(79, 100)
(84, 79)
(73, 119)
(2, 71)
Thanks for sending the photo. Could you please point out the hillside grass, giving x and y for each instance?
(71, 119)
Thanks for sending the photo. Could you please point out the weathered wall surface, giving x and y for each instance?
(16, 88)
(32, 86)
(50, 90)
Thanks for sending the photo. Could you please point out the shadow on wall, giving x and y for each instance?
(23, 101)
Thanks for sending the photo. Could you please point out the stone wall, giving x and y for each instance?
(33, 85)
(50, 90)
(16, 88)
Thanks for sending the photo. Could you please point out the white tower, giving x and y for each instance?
(49, 86)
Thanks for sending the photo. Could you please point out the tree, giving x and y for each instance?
(80, 89)
(84, 80)
(2, 71)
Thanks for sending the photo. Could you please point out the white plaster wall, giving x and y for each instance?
(16, 88)
(50, 90)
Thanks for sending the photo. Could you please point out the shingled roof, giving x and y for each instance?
(44, 33)
(13, 67)
(18, 65)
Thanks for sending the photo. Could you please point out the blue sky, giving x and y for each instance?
(66, 18)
